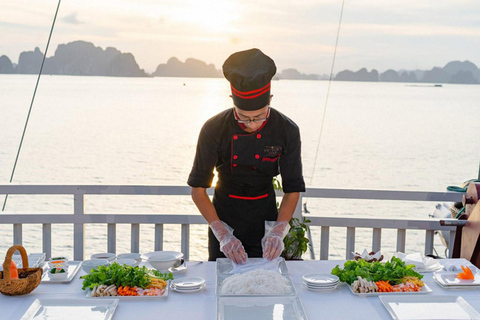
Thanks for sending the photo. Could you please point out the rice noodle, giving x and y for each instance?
(256, 282)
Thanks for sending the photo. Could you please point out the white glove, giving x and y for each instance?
(272, 241)
(229, 244)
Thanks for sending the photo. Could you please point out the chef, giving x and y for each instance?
(248, 145)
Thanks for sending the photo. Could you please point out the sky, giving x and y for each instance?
(375, 34)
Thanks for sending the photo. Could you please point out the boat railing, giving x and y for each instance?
(80, 218)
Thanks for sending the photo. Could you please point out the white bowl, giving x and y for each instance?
(104, 256)
(135, 256)
(163, 260)
(178, 255)
(58, 276)
(88, 265)
(128, 262)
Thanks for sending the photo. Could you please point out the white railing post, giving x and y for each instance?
(112, 238)
(429, 237)
(298, 209)
(185, 240)
(47, 239)
(17, 234)
(135, 238)
(78, 227)
(376, 239)
(401, 239)
(451, 243)
(324, 242)
(350, 243)
(158, 236)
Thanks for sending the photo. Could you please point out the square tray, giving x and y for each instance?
(134, 298)
(266, 308)
(425, 289)
(428, 307)
(61, 309)
(225, 266)
(73, 267)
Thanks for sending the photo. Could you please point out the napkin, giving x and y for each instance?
(418, 260)
(256, 264)
(455, 265)
(367, 256)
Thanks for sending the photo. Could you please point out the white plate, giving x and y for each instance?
(137, 298)
(425, 289)
(61, 309)
(73, 267)
(266, 308)
(429, 307)
(320, 279)
(178, 255)
(196, 289)
(450, 279)
(319, 287)
(35, 260)
(185, 283)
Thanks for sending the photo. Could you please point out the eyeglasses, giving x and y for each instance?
(251, 120)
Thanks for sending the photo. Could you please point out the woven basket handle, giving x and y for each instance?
(8, 259)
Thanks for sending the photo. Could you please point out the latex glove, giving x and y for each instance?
(272, 241)
(229, 244)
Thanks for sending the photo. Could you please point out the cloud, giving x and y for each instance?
(71, 19)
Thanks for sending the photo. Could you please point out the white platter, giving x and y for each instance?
(428, 307)
(134, 298)
(73, 267)
(266, 308)
(425, 289)
(225, 266)
(61, 309)
(447, 279)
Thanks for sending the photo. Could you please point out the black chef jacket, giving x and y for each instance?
(244, 197)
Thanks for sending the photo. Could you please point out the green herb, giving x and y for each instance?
(122, 276)
(393, 271)
(296, 242)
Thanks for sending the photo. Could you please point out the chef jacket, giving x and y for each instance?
(246, 164)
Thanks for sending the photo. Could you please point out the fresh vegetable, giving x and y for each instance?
(406, 287)
(57, 270)
(467, 274)
(384, 286)
(393, 271)
(413, 280)
(123, 276)
(363, 286)
(13, 270)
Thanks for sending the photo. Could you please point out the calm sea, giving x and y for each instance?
(143, 131)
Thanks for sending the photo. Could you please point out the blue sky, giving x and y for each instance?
(376, 34)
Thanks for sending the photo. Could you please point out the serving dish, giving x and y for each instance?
(425, 289)
(449, 279)
(73, 268)
(134, 298)
(61, 309)
(428, 307)
(266, 308)
(225, 267)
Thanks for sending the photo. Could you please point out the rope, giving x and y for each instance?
(326, 101)
(31, 103)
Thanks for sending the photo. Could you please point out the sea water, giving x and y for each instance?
(143, 131)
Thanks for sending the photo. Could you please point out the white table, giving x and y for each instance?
(336, 304)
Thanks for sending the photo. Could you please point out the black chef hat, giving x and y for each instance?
(249, 73)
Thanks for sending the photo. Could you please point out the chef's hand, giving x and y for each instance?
(229, 244)
(272, 242)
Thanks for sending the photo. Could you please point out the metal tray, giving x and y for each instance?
(225, 266)
(266, 308)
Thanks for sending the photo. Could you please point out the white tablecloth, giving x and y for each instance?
(336, 304)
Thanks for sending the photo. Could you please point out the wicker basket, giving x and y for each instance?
(28, 278)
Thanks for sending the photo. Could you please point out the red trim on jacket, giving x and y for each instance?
(248, 198)
(270, 159)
